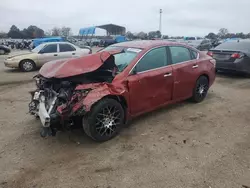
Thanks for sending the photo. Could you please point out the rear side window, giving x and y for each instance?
(179, 54)
(235, 46)
(156, 58)
(51, 48)
(66, 48)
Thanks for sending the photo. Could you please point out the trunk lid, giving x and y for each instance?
(225, 55)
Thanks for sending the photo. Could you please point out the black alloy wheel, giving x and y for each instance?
(105, 120)
(201, 89)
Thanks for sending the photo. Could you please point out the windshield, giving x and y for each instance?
(38, 48)
(123, 59)
(235, 46)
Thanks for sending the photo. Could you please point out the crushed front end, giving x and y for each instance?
(67, 89)
(54, 102)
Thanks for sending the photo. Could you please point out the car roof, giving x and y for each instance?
(144, 44)
(58, 42)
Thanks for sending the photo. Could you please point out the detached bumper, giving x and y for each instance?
(43, 115)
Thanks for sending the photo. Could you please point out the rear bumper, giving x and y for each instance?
(239, 67)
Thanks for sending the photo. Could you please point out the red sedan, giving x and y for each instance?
(122, 81)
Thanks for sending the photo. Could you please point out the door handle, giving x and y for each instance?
(168, 74)
(73, 53)
(55, 55)
(195, 66)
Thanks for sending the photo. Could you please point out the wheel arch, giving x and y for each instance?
(205, 75)
(26, 59)
(119, 98)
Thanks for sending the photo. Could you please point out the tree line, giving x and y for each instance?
(224, 33)
(35, 32)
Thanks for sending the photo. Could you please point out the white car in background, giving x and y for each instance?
(44, 53)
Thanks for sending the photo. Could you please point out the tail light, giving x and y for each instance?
(237, 55)
(210, 53)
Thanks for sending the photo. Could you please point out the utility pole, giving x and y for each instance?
(160, 20)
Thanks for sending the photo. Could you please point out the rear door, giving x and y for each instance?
(152, 82)
(185, 71)
(67, 51)
(48, 53)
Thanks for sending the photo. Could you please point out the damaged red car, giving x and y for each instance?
(106, 89)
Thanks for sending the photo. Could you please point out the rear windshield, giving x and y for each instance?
(236, 46)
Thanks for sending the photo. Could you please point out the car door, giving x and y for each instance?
(150, 82)
(185, 70)
(48, 53)
(66, 51)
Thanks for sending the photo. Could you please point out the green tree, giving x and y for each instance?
(222, 32)
(14, 32)
(211, 36)
(142, 35)
(66, 31)
(130, 35)
(56, 31)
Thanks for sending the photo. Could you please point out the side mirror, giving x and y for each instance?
(41, 52)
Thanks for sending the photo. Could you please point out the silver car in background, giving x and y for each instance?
(44, 53)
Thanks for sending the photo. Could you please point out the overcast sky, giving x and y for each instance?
(180, 17)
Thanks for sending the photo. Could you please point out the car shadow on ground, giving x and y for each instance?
(13, 70)
(78, 137)
(230, 74)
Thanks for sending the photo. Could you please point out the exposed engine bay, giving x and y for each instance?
(58, 101)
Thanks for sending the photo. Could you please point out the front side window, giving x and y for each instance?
(66, 48)
(51, 48)
(179, 54)
(156, 58)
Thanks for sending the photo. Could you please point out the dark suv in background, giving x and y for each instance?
(203, 44)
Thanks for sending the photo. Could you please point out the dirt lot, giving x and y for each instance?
(186, 145)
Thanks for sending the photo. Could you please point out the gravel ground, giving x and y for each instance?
(204, 145)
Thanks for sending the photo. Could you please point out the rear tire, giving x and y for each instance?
(27, 65)
(200, 90)
(104, 121)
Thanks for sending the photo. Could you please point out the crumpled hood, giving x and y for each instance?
(73, 67)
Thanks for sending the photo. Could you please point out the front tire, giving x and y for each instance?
(27, 65)
(201, 89)
(104, 121)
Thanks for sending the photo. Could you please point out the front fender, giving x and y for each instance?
(102, 90)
